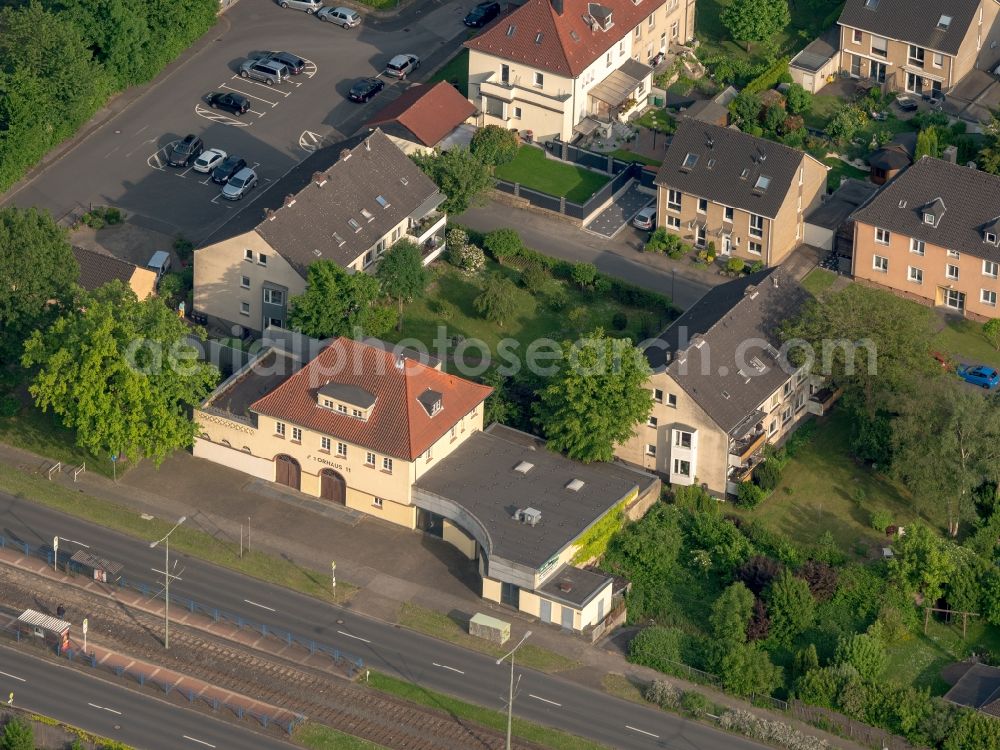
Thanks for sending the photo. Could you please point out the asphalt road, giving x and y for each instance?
(426, 661)
(123, 162)
(109, 710)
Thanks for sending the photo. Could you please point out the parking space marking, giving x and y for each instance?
(310, 141)
(264, 86)
(310, 69)
(249, 96)
(254, 111)
(158, 159)
(219, 117)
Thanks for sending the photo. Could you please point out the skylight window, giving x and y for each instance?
(745, 174)
(763, 183)
(354, 225)
(574, 36)
(380, 199)
(871, 4)
(944, 22)
(511, 29)
(338, 239)
(367, 214)
(538, 38)
(689, 161)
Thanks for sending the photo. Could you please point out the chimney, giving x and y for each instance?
(320, 178)
(399, 363)
(774, 281)
(950, 154)
(289, 200)
(269, 214)
(345, 154)
(557, 6)
(368, 144)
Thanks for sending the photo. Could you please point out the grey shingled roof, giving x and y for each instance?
(969, 195)
(374, 167)
(978, 688)
(479, 475)
(730, 153)
(97, 269)
(736, 322)
(818, 52)
(913, 21)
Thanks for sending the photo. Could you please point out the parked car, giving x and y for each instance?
(341, 16)
(402, 65)
(159, 264)
(230, 166)
(294, 63)
(906, 103)
(646, 218)
(268, 71)
(186, 151)
(482, 14)
(235, 103)
(309, 6)
(981, 375)
(240, 184)
(209, 160)
(365, 89)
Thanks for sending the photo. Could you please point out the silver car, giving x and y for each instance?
(309, 6)
(268, 71)
(341, 16)
(402, 65)
(240, 184)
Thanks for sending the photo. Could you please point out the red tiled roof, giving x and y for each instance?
(398, 425)
(429, 112)
(567, 44)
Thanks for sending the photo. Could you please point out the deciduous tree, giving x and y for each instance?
(120, 373)
(862, 652)
(791, 607)
(596, 398)
(798, 100)
(461, 177)
(336, 303)
(731, 613)
(746, 669)
(752, 21)
(494, 146)
(922, 561)
(498, 300)
(402, 275)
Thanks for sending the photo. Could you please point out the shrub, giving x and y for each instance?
(619, 321)
(694, 703)
(503, 243)
(657, 647)
(769, 78)
(534, 277)
(557, 299)
(185, 248)
(455, 237)
(881, 520)
(767, 474)
(821, 577)
(991, 330)
(578, 316)
(664, 694)
(757, 266)
(657, 242)
(798, 100)
(776, 733)
(863, 652)
(758, 572)
(584, 275)
(494, 145)
(9, 406)
(735, 265)
(469, 258)
(750, 495)
(17, 735)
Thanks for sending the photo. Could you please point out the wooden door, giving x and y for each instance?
(332, 487)
(288, 472)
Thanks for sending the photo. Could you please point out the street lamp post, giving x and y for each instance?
(166, 580)
(510, 696)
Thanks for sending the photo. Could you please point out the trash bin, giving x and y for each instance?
(657, 101)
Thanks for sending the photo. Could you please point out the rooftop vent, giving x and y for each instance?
(574, 485)
(711, 163)
(902, 203)
(317, 253)
(566, 586)
(725, 394)
(530, 516)
(399, 363)
(745, 174)
(524, 467)
(289, 200)
(574, 36)
(774, 281)
(404, 180)
(269, 214)
(367, 214)
(757, 364)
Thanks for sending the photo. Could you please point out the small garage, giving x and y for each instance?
(811, 67)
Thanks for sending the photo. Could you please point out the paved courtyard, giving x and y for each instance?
(620, 212)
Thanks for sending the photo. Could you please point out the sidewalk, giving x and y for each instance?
(392, 565)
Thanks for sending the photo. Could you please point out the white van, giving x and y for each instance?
(159, 264)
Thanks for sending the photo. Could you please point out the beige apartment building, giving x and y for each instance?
(917, 46)
(722, 389)
(933, 235)
(561, 67)
(349, 211)
(746, 195)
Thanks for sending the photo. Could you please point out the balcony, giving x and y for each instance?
(821, 401)
(740, 451)
(428, 234)
(524, 91)
(739, 474)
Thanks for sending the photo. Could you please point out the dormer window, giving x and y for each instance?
(431, 400)
(346, 399)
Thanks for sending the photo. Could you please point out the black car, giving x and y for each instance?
(295, 63)
(365, 89)
(235, 103)
(230, 166)
(482, 14)
(185, 152)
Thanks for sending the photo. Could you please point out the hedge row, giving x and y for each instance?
(769, 78)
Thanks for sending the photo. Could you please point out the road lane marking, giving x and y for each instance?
(105, 708)
(355, 637)
(200, 742)
(262, 606)
(445, 666)
(544, 700)
(13, 677)
(643, 731)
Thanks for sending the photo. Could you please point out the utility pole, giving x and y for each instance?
(510, 695)
(166, 580)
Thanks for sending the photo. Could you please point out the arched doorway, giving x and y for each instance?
(287, 471)
(332, 487)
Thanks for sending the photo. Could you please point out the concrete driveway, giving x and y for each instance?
(123, 162)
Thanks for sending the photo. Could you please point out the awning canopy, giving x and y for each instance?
(586, 126)
(620, 84)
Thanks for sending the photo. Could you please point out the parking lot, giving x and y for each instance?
(123, 163)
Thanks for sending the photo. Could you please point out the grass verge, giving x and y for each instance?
(533, 170)
(41, 432)
(527, 730)
(964, 339)
(621, 686)
(439, 625)
(185, 539)
(320, 737)
(626, 155)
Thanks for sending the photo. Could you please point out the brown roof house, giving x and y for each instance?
(97, 269)
(425, 117)
(351, 209)
(917, 46)
(933, 235)
(561, 67)
(746, 194)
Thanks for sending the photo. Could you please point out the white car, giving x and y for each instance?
(402, 65)
(209, 160)
(645, 219)
(341, 16)
(240, 184)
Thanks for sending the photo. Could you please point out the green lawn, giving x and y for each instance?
(963, 339)
(818, 281)
(918, 660)
(440, 625)
(527, 730)
(455, 71)
(449, 302)
(657, 119)
(840, 169)
(823, 108)
(533, 170)
(818, 491)
(625, 155)
(319, 737)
